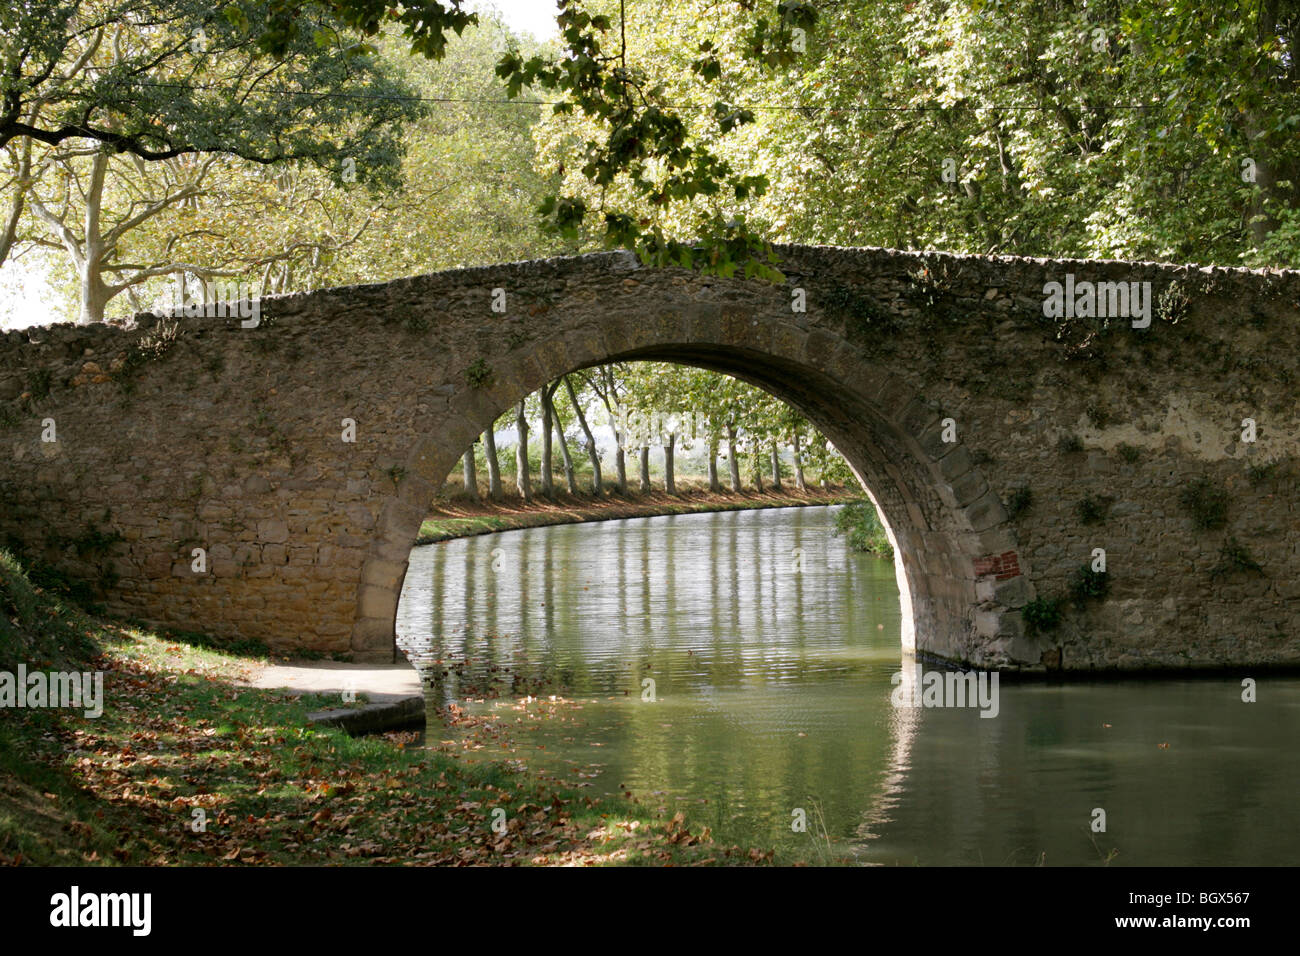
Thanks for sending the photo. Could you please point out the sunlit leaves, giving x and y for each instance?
(425, 25)
(773, 42)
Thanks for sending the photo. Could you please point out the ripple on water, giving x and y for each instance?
(772, 694)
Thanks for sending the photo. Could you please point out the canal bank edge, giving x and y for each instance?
(618, 509)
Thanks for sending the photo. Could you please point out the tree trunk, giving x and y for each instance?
(645, 469)
(798, 466)
(493, 466)
(548, 417)
(609, 397)
(570, 479)
(93, 292)
(715, 486)
(758, 471)
(522, 479)
(776, 466)
(17, 199)
(593, 453)
(470, 476)
(733, 458)
(670, 482)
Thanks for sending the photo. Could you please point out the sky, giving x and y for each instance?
(25, 296)
(526, 16)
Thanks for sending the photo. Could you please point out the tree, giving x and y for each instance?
(640, 141)
(469, 475)
(546, 399)
(592, 452)
(522, 479)
(605, 384)
(127, 226)
(796, 451)
(287, 227)
(570, 476)
(493, 463)
(733, 457)
(1044, 129)
(160, 79)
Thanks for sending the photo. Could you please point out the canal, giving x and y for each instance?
(741, 667)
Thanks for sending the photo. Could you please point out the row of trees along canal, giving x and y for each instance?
(641, 406)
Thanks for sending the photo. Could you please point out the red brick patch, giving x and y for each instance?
(1003, 566)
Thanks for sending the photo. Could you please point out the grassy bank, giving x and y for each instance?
(460, 518)
(862, 530)
(186, 766)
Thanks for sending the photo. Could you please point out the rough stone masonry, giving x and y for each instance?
(197, 472)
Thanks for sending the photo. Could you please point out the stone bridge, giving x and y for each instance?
(1004, 442)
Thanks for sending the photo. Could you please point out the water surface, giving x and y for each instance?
(771, 649)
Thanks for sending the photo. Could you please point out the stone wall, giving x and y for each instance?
(1070, 435)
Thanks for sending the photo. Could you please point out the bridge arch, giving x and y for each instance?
(940, 510)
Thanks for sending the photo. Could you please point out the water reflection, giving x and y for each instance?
(771, 650)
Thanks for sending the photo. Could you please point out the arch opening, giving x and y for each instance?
(891, 443)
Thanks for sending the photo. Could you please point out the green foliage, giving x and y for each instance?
(930, 286)
(1173, 303)
(75, 591)
(644, 158)
(1206, 502)
(1041, 615)
(646, 143)
(1091, 510)
(1089, 585)
(194, 82)
(1130, 454)
(1070, 444)
(1018, 501)
(150, 347)
(1098, 416)
(1064, 172)
(1234, 557)
(654, 148)
(480, 374)
(36, 627)
(187, 152)
(1260, 472)
(95, 541)
(866, 322)
(39, 382)
(862, 529)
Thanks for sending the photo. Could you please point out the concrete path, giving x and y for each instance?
(395, 695)
(377, 681)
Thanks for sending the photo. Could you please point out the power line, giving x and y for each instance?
(798, 107)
